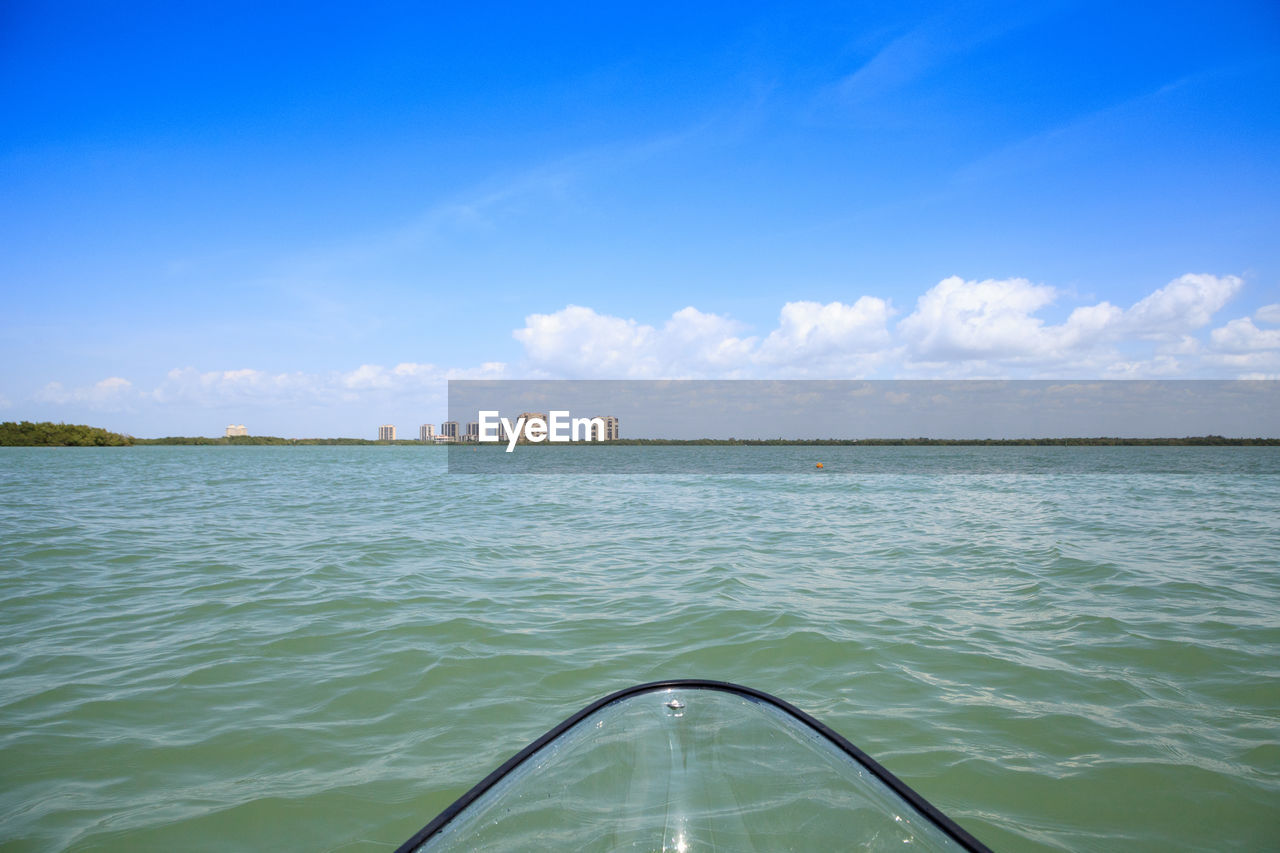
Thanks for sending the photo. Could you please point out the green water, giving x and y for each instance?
(208, 648)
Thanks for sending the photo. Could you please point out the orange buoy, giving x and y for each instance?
(819, 464)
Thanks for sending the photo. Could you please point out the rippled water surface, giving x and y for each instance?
(318, 648)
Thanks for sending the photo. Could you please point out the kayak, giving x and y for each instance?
(690, 765)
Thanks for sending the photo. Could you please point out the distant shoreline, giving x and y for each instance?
(27, 434)
(1098, 441)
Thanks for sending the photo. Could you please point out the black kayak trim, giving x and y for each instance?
(902, 789)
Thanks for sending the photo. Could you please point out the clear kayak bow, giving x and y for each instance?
(690, 765)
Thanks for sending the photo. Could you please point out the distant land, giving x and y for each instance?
(46, 434)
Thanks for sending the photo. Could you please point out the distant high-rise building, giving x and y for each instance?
(236, 429)
(426, 432)
(524, 430)
(387, 432)
(473, 431)
(449, 429)
(610, 431)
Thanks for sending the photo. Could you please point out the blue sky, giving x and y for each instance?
(306, 217)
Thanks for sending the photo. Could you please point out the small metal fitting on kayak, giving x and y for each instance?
(675, 706)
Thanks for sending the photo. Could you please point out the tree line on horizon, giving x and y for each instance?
(48, 434)
(1097, 441)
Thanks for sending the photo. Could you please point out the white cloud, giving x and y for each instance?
(412, 369)
(705, 343)
(579, 342)
(1241, 336)
(1159, 367)
(365, 377)
(993, 320)
(957, 319)
(1089, 324)
(248, 387)
(1246, 365)
(1181, 345)
(218, 387)
(959, 327)
(986, 324)
(576, 341)
(486, 370)
(404, 376)
(1268, 314)
(112, 393)
(1185, 304)
(368, 381)
(1243, 349)
(811, 334)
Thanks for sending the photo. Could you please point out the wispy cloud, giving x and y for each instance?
(1075, 137)
(929, 45)
(491, 203)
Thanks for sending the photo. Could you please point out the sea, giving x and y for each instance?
(319, 648)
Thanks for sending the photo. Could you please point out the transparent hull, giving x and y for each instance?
(691, 766)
